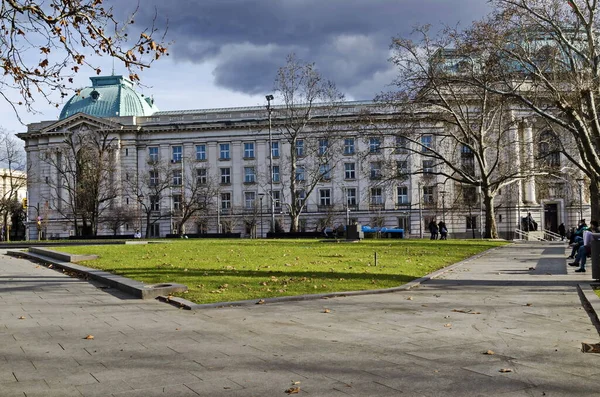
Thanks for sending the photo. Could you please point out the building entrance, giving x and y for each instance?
(551, 217)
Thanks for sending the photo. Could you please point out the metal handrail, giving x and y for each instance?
(553, 235)
(525, 235)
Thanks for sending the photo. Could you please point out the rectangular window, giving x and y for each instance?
(325, 172)
(348, 146)
(402, 167)
(428, 195)
(426, 142)
(402, 195)
(225, 176)
(225, 201)
(325, 197)
(155, 230)
(154, 203)
(376, 196)
(401, 145)
(224, 151)
(300, 197)
(277, 198)
(300, 148)
(275, 149)
(177, 179)
(471, 222)
(126, 152)
(249, 200)
(349, 170)
(427, 166)
(177, 204)
(176, 154)
(375, 145)
(300, 174)
(153, 154)
(375, 170)
(351, 197)
(249, 150)
(201, 176)
(200, 152)
(323, 146)
(249, 175)
(276, 177)
(153, 178)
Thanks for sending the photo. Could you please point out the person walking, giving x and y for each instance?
(443, 230)
(433, 229)
(562, 231)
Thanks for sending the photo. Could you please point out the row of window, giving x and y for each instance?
(375, 146)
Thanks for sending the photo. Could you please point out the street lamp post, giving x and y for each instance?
(270, 111)
(480, 208)
(261, 195)
(443, 193)
(420, 211)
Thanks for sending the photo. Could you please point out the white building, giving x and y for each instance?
(230, 147)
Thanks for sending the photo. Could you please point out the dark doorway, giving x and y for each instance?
(551, 217)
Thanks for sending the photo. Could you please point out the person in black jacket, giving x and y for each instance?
(562, 231)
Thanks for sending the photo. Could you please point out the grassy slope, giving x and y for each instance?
(227, 270)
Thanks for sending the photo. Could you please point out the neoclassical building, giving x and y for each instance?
(155, 160)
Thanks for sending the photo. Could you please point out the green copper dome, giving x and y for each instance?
(109, 96)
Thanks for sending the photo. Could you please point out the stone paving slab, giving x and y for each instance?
(428, 341)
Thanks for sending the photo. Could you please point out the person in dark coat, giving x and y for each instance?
(562, 231)
(443, 230)
(433, 229)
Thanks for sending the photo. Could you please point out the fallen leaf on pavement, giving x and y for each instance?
(504, 370)
(293, 390)
(326, 311)
(89, 337)
(448, 325)
(465, 311)
(489, 353)
(409, 298)
(22, 318)
(261, 302)
(528, 304)
(295, 382)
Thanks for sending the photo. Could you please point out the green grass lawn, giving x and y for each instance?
(228, 270)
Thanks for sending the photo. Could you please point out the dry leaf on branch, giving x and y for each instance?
(89, 337)
(293, 390)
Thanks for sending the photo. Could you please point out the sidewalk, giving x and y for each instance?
(429, 341)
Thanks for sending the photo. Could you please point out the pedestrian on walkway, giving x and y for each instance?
(443, 230)
(562, 231)
(433, 229)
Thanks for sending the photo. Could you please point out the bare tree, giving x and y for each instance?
(305, 120)
(148, 188)
(85, 181)
(117, 217)
(445, 123)
(12, 157)
(547, 60)
(43, 44)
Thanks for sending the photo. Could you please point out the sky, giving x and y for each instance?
(225, 53)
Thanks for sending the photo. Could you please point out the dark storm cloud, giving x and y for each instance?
(247, 40)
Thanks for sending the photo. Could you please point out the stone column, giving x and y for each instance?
(529, 150)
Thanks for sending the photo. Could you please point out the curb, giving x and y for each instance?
(591, 302)
(127, 285)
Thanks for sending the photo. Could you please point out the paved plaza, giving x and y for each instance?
(428, 341)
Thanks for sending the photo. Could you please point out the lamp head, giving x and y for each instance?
(269, 97)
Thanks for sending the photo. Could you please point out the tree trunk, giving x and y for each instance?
(295, 222)
(490, 218)
(148, 224)
(595, 198)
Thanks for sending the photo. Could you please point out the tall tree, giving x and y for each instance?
(85, 182)
(445, 124)
(547, 60)
(43, 44)
(305, 120)
(12, 157)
